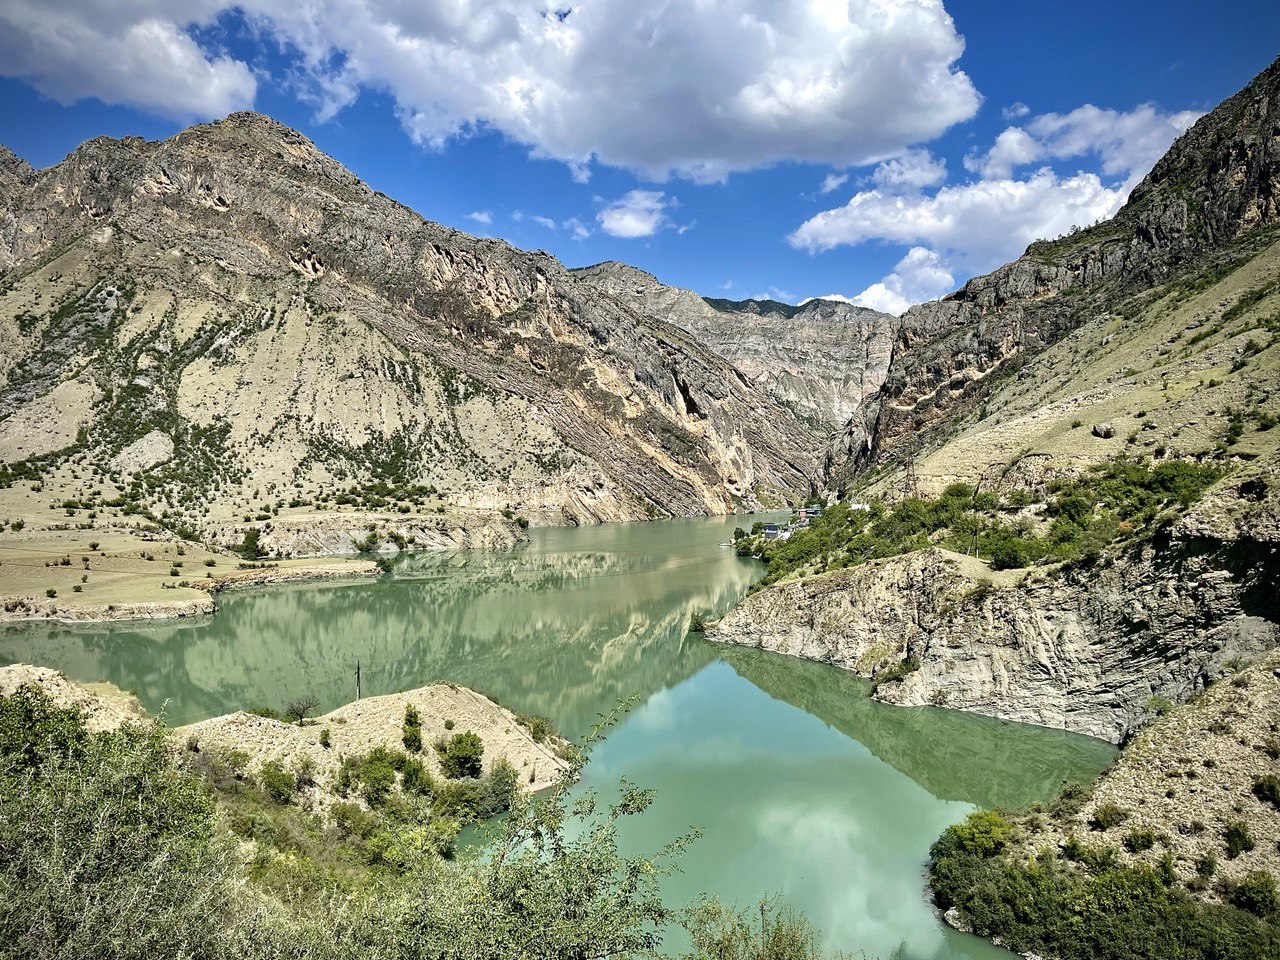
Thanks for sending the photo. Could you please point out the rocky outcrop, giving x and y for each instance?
(822, 359)
(103, 705)
(346, 533)
(1082, 649)
(1215, 192)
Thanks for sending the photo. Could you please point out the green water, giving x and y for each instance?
(802, 786)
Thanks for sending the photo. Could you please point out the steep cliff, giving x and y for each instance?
(822, 360)
(229, 324)
(1209, 205)
(1080, 649)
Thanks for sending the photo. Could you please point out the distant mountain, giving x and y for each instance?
(217, 326)
(821, 360)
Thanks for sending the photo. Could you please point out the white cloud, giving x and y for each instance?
(981, 224)
(520, 216)
(1015, 111)
(913, 171)
(973, 227)
(141, 55)
(919, 276)
(833, 181)
(698, 90)
(579, 229)
(1126, 143)
(639, 213)
(481, 216)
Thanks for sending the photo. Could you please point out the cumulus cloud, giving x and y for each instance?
(481, 216)
(914, 170)
(1126, 143)
(975, 226)
(139, 53)
(984, 223)
(1015, 111)
(920, 275)
(833, 181)
(638, 213)
(698, 90)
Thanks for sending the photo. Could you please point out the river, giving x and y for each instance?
(803, 787)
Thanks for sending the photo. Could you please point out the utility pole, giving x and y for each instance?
(910, 481)
(357, 678)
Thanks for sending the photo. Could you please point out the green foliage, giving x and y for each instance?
(250, 547)
(278, 783)
(1237, 839)
(1255, 892)
(1086, 905)
(1267, 789)
(461, 755)
(719, 933)
(1139, 839)
(1116, 499)
(1107, 815)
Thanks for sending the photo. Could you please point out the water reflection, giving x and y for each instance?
(955, 756)
(566, 626)
(803, 786)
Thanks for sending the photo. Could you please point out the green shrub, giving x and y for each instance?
(1107, 815)
(1139, 839)
(276, 782)
(461, 756)
(1237, 839)
(1267, 789)
(1255, 892)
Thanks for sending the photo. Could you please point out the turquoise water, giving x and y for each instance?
(803, 787)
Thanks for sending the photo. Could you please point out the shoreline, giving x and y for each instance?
(24, 609)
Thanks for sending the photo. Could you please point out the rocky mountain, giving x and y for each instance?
(822, 360)
(1153, 337)
(1205, 209)
(228, 327)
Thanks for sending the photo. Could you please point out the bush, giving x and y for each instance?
(1107, 815)
(106, 849)
(461, 756)
(412, 738)
(1267, 789)
(1256, 892)
(1139, 839)
(276, 782)
(1237, 839)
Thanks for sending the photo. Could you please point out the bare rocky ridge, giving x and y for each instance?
(1209, 202)
(821, 360)
(291, 330)
(1158, 326)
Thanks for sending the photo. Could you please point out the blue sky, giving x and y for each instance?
(692, 139)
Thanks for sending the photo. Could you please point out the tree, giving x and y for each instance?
(297, 710)
(461, 755)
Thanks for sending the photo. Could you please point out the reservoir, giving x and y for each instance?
(803, 787)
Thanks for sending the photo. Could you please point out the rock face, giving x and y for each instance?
(821, 360)
(289, 329)
(1210, 200)
(1084, 650)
